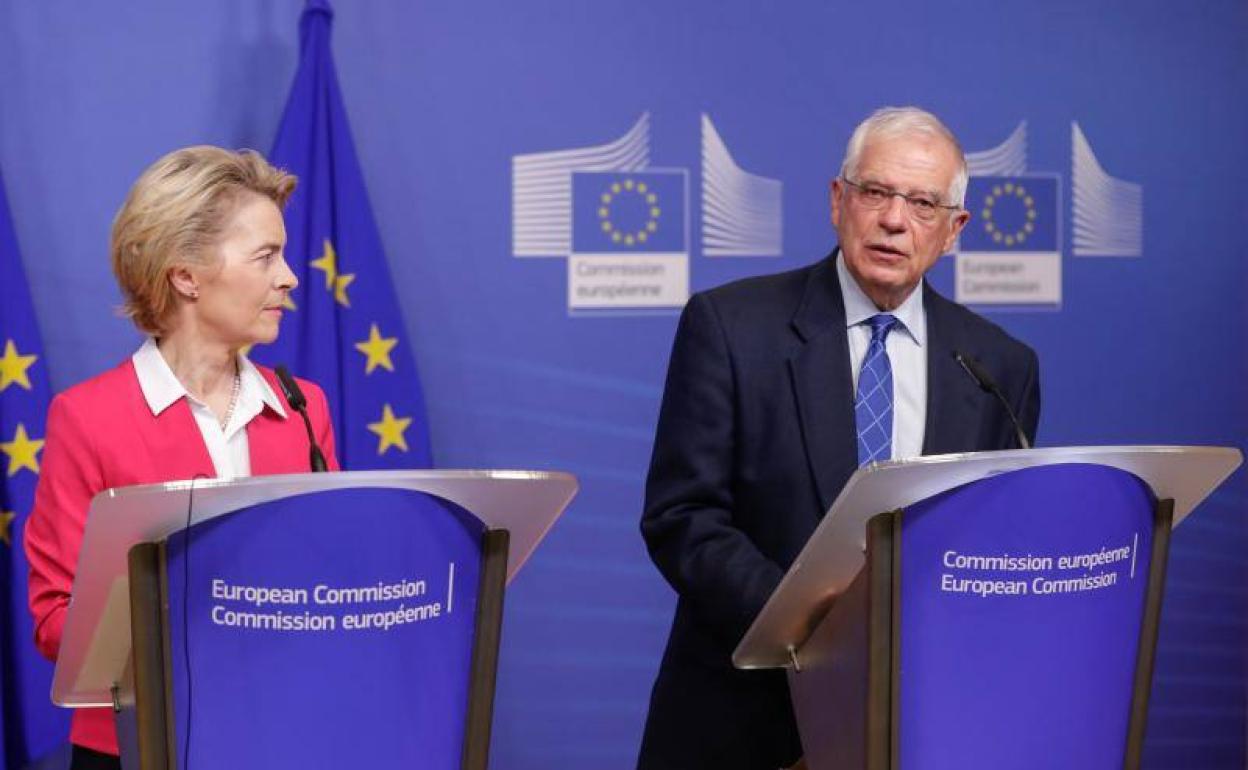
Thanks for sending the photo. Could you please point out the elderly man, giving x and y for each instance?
(779, 387)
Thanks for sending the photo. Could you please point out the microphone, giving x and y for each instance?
(294, 397)
(985, 382)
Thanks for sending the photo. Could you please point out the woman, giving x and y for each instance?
(197, 251)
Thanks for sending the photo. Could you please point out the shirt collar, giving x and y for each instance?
(255, 387)
(859, 307)
(161, 389)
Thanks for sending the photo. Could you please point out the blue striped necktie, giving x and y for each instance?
(873, 406)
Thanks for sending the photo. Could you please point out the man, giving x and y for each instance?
(779, 387)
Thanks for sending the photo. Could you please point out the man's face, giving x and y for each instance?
(886, 249)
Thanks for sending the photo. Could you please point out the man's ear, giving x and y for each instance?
(837, 202)
(955, 229)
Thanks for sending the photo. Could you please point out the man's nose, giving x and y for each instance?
(893, 215)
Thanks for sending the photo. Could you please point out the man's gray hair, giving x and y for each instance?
(892, 122)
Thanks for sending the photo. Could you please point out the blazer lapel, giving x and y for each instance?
(274, 441)
(953, 399)
(161, 447)
(272, 444)
(823, 383)
(177, 447)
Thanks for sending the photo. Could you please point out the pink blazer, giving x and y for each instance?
(101, 434)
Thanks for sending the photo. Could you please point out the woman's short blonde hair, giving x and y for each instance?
(175, 214)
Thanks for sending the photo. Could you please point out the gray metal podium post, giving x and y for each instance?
(95, 664)
(833, 624)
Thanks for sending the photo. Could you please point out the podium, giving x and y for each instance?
(309, 620)
(992, 609)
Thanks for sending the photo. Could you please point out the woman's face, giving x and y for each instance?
(242, 293)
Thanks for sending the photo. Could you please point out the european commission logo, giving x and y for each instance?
(1010, 246)
(1010, 253)
(624, 225)
(628, 240)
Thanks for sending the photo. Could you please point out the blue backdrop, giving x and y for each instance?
(1138, 109)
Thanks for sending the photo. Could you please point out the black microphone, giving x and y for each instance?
(988, 385)
(294, 397)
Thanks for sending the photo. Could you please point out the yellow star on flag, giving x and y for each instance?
(390, 429)
(340, 288)
(377, 348)
(289, 303)
(329, 263)
(22, 451)
(6, 518)
(335, 282)
(13, 367)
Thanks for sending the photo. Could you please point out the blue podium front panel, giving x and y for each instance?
(1021, 602)
(332, 629)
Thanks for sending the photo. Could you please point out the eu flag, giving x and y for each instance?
(633, 212)
(1011, 214)
(31, 724)
(345, 332)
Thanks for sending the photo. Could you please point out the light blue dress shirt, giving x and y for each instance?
(907, 352)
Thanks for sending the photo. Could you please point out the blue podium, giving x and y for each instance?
(994, 609)
(312, 620)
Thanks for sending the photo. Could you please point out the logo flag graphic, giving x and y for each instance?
(624, 225)
(345, 331)
(1010, 252)
(630, 240)
(1014, 214)
(628, 213)
(541, 188)
(31, 724)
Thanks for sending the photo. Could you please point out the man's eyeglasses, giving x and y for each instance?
(922, 207)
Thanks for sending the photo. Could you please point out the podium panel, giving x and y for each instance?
(1021, 603)
(995, 609)
(318, 620)
(328, 629)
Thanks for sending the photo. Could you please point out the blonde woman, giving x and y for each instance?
(197, 250)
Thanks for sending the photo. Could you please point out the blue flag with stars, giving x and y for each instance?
(1011, 214)
(628, 212)
(31, 725)
(345, 331)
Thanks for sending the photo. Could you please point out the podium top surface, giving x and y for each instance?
(95, 645)
(836, 551)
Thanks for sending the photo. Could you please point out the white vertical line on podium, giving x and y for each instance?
(1135, 546)
(450, 588)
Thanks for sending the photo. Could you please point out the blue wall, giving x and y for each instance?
(1147, 349)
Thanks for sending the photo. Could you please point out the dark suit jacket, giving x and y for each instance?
(755, 439)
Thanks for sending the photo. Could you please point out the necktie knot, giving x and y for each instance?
(881, 324)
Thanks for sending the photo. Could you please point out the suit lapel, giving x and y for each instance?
(273, 440)
(953, 399)
(823, 383)
(177, 446)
